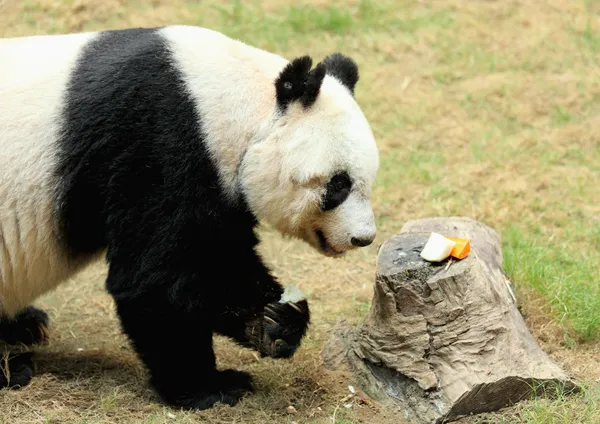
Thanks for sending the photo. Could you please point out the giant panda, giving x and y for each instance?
(159, 151)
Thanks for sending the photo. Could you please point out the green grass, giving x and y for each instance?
(305, 19)
(568, 279)
(556, 407)
(250, 22)
(591, 38)
(413, 166)
(561, 411)
(561, 117)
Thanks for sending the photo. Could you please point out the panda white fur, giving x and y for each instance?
(160, 149)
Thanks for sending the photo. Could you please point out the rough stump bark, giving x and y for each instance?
(443, 340)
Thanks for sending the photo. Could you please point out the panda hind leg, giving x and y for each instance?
(16, 369)
(28, 327)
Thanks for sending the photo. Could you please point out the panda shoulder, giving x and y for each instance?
(194, 40)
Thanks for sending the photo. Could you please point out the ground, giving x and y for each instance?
(488, 109)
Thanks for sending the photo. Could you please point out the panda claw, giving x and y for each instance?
(43, 333)
(270, 310)
(270, 320)
(294, 306)
(278, 332)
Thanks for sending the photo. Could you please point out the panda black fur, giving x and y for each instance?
(136, 157)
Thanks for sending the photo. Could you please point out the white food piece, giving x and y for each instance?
(437, 248)
(291, 294)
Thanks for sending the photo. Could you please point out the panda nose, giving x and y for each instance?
(361, 242)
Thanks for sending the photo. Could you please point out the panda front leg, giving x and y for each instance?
(171, 295)
(277, 324)
(175, 344)
(276, 331)
(172, 332)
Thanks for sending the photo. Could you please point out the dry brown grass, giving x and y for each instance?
(489, 109)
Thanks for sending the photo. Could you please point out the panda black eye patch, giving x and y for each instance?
(337, 191)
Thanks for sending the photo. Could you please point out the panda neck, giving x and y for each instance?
(230, 163)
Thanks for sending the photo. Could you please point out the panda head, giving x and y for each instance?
(310, 170)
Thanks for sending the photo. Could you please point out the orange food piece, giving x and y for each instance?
(461, 248)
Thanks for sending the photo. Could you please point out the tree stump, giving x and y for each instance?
(443, 340)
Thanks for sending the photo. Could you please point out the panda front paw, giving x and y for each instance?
(226, 387)
(277, 333)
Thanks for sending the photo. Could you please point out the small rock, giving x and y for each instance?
(172, 416)
(348, 405)
(351, 389)
(79, 349)
(291, 410)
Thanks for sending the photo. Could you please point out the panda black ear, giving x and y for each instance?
(297, 82)
(343, 68)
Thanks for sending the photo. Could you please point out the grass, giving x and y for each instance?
(555, 407)
(569, 280)
(484, 109)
